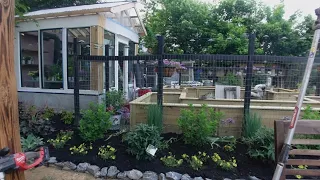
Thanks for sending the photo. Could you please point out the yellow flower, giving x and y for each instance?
(234, 164)
(113, 157)
(204, 154)
(298, 176)
(108, 146)
(112, 149)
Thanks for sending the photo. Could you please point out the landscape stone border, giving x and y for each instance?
(134, 174)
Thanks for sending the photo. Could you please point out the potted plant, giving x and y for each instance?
(169, 67)
(115, 101)
(34, 74)
(27, 59)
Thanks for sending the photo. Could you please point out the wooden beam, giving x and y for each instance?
(122, 7)
(141, 22)
(9, 117)
(65, 13)
(74, 33)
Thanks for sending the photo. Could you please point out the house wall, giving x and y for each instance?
(57, 101)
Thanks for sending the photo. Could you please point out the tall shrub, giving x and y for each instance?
(94, 122)
(155, 116)
(198, 125)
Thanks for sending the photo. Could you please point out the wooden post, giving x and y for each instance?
(9, 118)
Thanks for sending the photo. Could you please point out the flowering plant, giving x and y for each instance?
(171, 160)
(226, 165)
(175, 64)
(196, 161)
(82, 149)
(107, 152)
(61, 139)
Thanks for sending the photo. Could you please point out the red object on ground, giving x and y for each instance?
(142, 92)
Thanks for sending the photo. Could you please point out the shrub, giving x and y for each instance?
(35, 121)
(67, 117)
(251, 125)
(197, 126)
(171, 160)
(139, 138)
(261, 145)
(82, 149)
(94, 122)
(107, 152)
(31, 142)
(62, 138)
(155, 116)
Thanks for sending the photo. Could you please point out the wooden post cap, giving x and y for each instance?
(317, 11)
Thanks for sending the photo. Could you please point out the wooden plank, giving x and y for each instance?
(306, 141)
(305, 152)
(9, 118)
(279, 137)
(303, 172)
(308, 162)
(305, 127)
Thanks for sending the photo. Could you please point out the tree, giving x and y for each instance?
(225, 25)
(49, 4)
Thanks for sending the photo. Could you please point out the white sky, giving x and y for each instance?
(306, 6)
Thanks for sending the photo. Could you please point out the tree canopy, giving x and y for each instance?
(190, 26)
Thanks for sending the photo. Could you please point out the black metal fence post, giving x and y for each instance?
(249, 72)
(76, 83)
(160, 70)
(106, 68)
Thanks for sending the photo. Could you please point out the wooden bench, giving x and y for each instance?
(303, 127)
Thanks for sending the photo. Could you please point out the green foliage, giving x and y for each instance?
(94, 122)
(49, 4)
(31, 142)
(198, 125)
(107, 152)
(171, 161)
(67, 117)
(230, 79)
(82, 149)
(140, 138)
(261, 144)
(226, 165)
(115, 100)
(251, 125)
(310, 114)
(35, 121)
(62, 138)
(154, 117)
(48, 113)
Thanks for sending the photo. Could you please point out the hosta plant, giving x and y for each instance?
(31, 142)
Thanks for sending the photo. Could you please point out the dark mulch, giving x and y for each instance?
(124, 161)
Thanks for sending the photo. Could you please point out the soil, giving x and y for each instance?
(51, 173)
(125, 162)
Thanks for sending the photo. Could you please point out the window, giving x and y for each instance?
(51, 55)
(29, 59)
(83, 37)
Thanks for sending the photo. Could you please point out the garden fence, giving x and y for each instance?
(203, 70)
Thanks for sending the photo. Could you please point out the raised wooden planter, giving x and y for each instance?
(174, 102)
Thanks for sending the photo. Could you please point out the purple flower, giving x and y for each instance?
(228, 121)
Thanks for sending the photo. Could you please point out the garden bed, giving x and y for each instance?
(125, 162)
